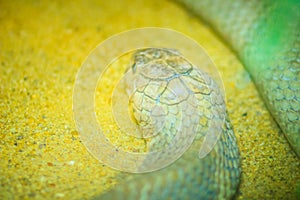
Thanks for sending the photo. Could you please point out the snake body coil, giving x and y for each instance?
(266, 36)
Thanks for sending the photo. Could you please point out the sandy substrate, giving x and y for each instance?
(42, 46)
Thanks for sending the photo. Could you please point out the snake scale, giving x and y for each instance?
(265, 35)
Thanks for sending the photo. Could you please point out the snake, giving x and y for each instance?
(265, 36)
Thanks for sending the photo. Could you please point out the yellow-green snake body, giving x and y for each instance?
(266, 37)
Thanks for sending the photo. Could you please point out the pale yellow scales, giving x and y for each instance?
(172, 100)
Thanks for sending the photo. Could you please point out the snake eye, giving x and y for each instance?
(156, 54)
(140, 59)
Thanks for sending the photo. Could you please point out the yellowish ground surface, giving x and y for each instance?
(42, 45)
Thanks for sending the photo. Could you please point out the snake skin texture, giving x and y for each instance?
(265, 35)
(163, 79)
(172, 100)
